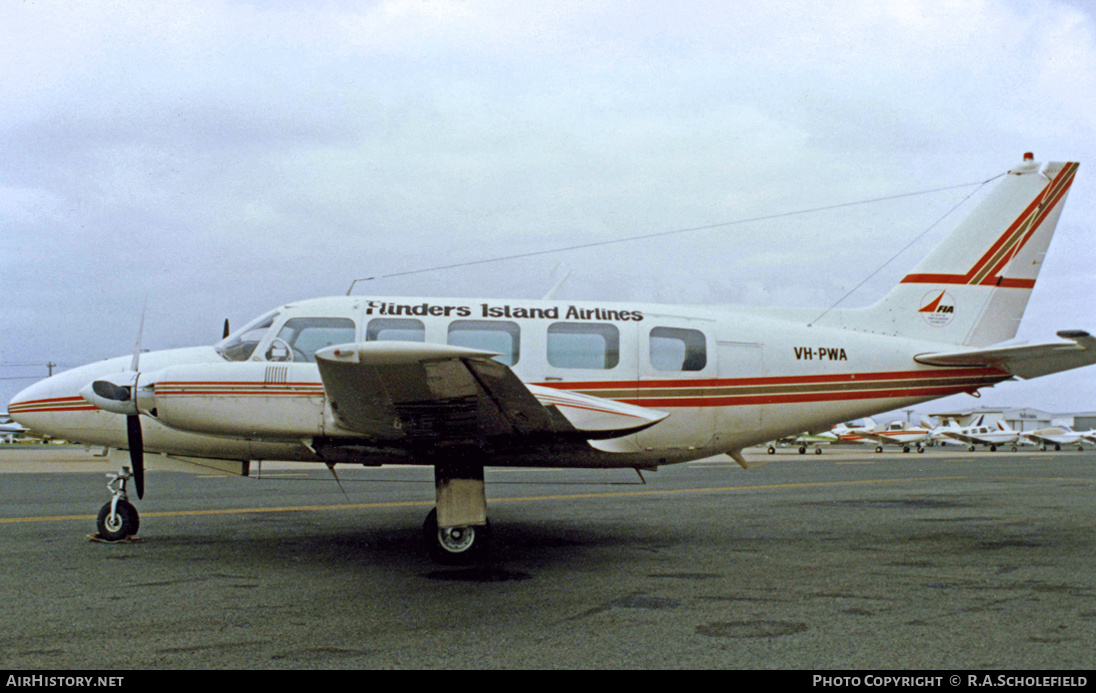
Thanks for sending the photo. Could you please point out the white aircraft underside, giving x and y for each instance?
(462, 383)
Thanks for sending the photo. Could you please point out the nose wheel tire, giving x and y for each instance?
(121, 523)
(455, 545)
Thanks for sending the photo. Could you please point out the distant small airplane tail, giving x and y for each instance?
(972, 289)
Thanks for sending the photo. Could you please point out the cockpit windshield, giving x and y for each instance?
(240, 345)
(300, 338)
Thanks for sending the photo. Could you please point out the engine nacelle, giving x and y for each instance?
(253, 400)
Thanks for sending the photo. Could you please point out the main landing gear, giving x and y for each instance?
(456, 531)
(118, 519)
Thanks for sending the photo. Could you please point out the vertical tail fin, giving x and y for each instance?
(972, 289)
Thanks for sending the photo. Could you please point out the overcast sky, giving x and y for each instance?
(220, 158)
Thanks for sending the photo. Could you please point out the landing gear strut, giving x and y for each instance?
(457, 531)
(118, 519)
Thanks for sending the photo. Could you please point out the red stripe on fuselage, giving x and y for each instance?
(775, 380)
(745, 400)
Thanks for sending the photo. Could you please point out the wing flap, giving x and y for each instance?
(1026, 361)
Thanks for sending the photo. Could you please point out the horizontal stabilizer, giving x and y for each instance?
(1025, 361)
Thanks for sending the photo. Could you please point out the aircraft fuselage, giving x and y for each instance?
(727, 378)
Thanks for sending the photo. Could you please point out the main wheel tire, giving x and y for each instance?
(124, 522)
(456, 545)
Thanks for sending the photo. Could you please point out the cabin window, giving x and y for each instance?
(300, 338)
(395, 330)
(583, 345)
(502, 338)
(676, 349)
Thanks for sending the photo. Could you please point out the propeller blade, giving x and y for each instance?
(226, 330)
(136, 452)
(135, 363)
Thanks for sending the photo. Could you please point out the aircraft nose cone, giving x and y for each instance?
(39, 406)
(30, 404)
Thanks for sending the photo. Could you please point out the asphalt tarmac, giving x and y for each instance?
(946, 560)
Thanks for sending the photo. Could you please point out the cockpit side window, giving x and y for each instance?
(300, 338)
(240, 345)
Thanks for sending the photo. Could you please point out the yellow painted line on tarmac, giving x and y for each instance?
(727, 489)
(227, 511)
(511, 499)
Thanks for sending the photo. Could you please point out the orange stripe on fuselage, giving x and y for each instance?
(53, 404)
(775, 380)
(789, 389)
(658, 393)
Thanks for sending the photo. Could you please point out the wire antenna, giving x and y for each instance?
(906, 247)
(663, 234)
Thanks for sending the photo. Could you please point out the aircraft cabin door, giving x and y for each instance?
(741, 408)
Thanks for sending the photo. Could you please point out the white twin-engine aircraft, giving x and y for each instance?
(461, 384)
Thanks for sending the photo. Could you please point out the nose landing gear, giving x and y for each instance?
(118, 519)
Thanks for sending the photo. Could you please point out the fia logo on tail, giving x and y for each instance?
(937, 308)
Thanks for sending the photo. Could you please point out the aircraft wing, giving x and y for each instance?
(1026, 361)
(1040, 439)
(1052, 436)
(436, 394)
(963, 437)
